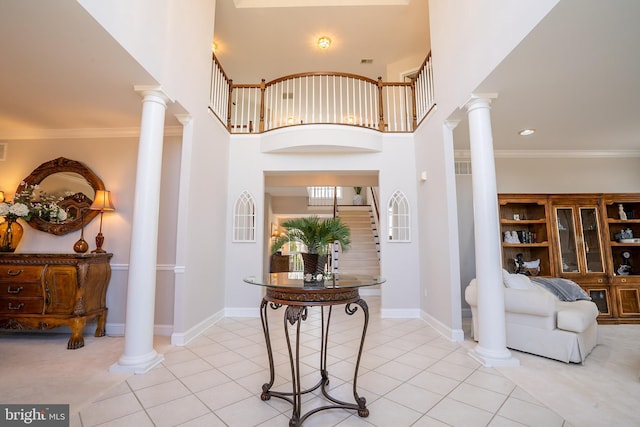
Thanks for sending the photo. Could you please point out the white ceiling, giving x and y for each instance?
(575, 78)
(257, 43)
(58, 72)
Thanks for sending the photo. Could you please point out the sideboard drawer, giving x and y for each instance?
(19, 273)
(21, 305)
(20, 290)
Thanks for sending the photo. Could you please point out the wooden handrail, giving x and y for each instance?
(215, 59)
(320, 74)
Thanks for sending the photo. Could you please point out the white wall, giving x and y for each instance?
(171, 39)
(566, 175)
(248, 163)
(469, 38)
(113, 160)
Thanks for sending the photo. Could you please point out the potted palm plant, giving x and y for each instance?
(317, 235)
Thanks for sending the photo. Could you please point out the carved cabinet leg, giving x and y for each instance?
(77, 340)
(102, 320)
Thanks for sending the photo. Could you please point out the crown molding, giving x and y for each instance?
(91, 133)
(554, 154)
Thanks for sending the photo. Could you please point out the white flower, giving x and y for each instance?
(4, 209)
(19, 209)
(62, 214)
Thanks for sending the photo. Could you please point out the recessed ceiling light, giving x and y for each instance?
(527, 132)
(324, 42)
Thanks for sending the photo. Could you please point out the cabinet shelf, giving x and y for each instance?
(624, 244)
(623, 221)
(527, 245)
(531, 228)
(522, 221)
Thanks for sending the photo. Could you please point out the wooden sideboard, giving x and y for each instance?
(44, 291)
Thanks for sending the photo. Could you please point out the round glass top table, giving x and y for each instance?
(298, 295)
(292, 289)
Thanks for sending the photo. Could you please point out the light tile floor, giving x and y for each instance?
(409, 374)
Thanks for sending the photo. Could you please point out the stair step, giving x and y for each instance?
(363, 256)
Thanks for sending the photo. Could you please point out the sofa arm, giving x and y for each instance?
(471, 293)
(577, 316)
(532, 302)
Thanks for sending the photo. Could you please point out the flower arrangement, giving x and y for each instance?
(33, 201)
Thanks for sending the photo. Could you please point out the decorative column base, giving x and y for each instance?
(490, 359)
(137, 365)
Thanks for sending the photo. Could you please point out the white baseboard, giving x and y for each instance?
(455, 335)
(183, 338)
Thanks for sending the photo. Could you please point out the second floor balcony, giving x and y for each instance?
(322, 98)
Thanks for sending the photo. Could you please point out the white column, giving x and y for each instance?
(139, 355)
(491, 349)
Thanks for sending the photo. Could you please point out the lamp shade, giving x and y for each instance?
(102, 201)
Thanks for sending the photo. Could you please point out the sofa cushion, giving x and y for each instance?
(576, 316)
(532, 302)
(517, 281)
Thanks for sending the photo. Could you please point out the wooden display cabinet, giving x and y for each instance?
(623, 235)
(584, 238)
(528, 217)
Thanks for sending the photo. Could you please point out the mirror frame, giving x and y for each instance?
(61, 164)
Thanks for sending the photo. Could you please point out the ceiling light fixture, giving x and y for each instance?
(324, 42)
(527, 132)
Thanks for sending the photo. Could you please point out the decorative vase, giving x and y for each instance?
(81, 246)
(310, 263)
(313, 267)
(10, 235)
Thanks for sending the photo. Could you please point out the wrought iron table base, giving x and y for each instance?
(295, 314)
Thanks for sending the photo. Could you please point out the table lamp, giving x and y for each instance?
(102, 203)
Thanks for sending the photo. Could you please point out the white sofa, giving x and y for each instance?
(538, 322)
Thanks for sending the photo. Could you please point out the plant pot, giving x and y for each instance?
(358, 200)
(314, 267)
(310, 263)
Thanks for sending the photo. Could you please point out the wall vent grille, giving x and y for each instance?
(463, 167)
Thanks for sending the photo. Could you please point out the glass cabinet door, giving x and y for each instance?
(567, 239)
(591, 240)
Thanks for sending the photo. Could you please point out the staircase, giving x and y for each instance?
(363, 257)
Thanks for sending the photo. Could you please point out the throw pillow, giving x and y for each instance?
(516, 281)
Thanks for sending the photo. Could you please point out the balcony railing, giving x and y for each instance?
(322, 98)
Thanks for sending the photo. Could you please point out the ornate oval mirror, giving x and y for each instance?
(73, 185)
